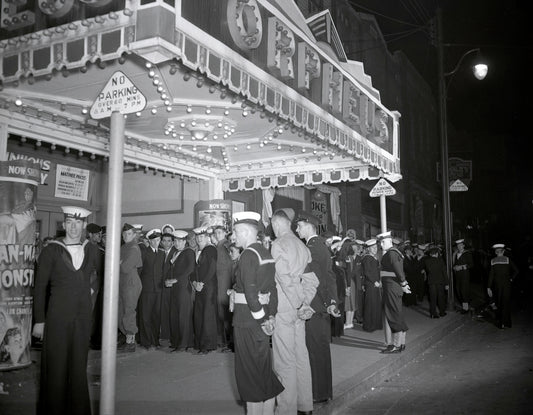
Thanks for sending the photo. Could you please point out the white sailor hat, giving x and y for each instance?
(168, 225)
(460, 241)
(154, 233)
(336, 246)
(359, 242)
(370, 242)
(407, 242)
(423, 247)
(75, 212)
(396, 241)
(498, 246)
(333, 239)
(384, 235)
(249, 217)
(202, 230)
(137, 226)
(180, 234)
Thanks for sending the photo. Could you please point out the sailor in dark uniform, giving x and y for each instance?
(205, 302)
(183, 265)
(502, 272)
(324, 304)
(152, 284)
(462, 264)
(63, 281)
(253, 319)
(394, 286)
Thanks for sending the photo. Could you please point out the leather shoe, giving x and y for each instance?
(389, 347)
(305, 412)
(402, 347)
(394, 349)
(434, 316)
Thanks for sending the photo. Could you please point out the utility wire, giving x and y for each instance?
(353, 3)
(420, 10)
(408, 10)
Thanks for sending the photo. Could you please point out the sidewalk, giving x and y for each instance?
(157, 382)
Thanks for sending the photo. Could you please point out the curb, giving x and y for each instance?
(351, 389)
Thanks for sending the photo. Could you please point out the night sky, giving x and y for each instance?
(493, 113)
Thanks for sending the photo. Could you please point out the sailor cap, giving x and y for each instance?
(460, 241)
(202, 230)
(359, 242)
(168, 225)
(384, 235)
(370, 242)
(307, 217)
(154, 233)
(249, 217)
(75, 212)
(498, 246)
(179, 234)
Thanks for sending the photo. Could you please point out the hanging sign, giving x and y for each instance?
(382, 188)
(119, 95)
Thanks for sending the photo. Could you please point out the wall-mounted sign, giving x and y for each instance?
(72, 183)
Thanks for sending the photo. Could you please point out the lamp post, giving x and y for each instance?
(480, 71)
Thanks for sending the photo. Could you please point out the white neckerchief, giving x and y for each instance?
(77, 253)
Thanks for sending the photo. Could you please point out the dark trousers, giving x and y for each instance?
(437, 298)
(165, 314)
(64, 388)
(181, 326)
(149, 318)
(317, 340)
(503, 302)
(225, 335)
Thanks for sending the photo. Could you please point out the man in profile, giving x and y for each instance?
(254, 319)
(296, 289)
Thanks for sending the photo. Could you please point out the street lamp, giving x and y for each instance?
(480, 71)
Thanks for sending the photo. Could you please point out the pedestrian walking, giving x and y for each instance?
(462, 264)
(62, 309)
(253, 319)
(437, 279)
(501, 275)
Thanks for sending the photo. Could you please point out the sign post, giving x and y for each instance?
(383, 189)
(119, 96)
(458, 186)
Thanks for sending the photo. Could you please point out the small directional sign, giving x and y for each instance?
(458, 186)
(382, 188)
(119, 94)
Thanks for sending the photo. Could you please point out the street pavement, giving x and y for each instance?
(477, 369)
(158, 382)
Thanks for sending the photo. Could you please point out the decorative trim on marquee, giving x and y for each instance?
(312, 178)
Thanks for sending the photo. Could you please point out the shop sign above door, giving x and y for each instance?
(119, 95)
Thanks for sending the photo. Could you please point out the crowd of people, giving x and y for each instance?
(275, 301)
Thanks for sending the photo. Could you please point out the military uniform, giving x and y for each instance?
(150, 299)
(66, 290)
(291, 359)
(256, 380)
(205, 303)
(318, 327)
(372, 315)
(129, 287)
(392, 275)
(502, 272)
(462, 264)
(181, 325)
(224, 282)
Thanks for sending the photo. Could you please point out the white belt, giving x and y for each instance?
(387, 274)
(240, 298)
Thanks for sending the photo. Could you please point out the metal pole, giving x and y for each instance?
(444, 161)
(112, 259)
(383, 212)
(3, 141)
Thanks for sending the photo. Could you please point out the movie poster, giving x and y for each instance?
(211, 213)
(18, 194)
